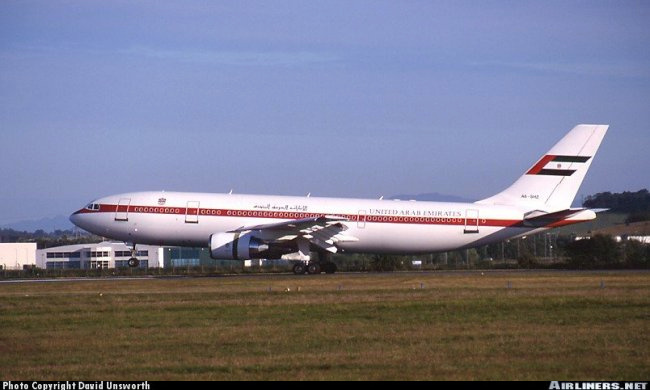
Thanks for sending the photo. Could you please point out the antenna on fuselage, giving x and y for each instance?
(230, 193)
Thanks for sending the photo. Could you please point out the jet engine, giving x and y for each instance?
(238, 246)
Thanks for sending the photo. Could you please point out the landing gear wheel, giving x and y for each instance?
(329, 268)
(299, 268)
(133, 262)
(313, 268)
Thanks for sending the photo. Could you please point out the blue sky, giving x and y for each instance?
(336, 98)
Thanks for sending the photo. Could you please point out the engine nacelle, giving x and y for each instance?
(238, 246)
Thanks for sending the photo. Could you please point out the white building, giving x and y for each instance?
(16, 255)
(641, 239)
(102, 255)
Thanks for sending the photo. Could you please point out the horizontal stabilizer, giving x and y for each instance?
(538, 218)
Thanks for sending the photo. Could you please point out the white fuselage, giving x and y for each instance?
(241, 226)
(381, 226)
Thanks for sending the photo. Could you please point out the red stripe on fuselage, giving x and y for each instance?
(288, 215)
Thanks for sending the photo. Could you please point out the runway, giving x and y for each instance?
(492, 272)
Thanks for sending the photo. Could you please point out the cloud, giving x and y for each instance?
(599, 69)
(238, 58)
(243, 58)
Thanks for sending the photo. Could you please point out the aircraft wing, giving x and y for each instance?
(324, 231)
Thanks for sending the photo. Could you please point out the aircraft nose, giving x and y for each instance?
(75, 218)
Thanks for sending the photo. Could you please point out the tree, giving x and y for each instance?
(599, 251)
(385, 263)
(636, 254)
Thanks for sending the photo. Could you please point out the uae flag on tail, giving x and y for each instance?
(551, 165)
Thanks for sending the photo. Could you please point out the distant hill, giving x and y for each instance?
(433, 197)
(59, 222)
(637, 204)
(623, 202)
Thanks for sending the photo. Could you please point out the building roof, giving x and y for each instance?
(76, 247)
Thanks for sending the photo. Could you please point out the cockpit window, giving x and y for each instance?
(92, 206)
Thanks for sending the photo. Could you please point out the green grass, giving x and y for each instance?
(558, 326)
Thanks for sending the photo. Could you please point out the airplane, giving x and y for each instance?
(242, 227)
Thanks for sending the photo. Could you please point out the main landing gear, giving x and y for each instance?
(324, 264)
(314, 268)
(133, 261)
(299, 268)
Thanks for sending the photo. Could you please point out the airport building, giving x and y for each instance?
(115, 255)
(93, 256)
(17, 255)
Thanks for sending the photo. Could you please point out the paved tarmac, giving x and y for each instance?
(344, 274)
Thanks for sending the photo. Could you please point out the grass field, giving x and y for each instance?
(452, 325)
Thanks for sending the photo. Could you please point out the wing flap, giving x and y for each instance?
(296, 225)
(324, 231)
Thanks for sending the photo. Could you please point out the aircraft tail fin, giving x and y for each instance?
(553, 181)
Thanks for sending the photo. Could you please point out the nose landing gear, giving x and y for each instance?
(133, 261)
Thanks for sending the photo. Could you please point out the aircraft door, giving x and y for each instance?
(361, 219)
(471, 221)
(192, 212)
(122, 210)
